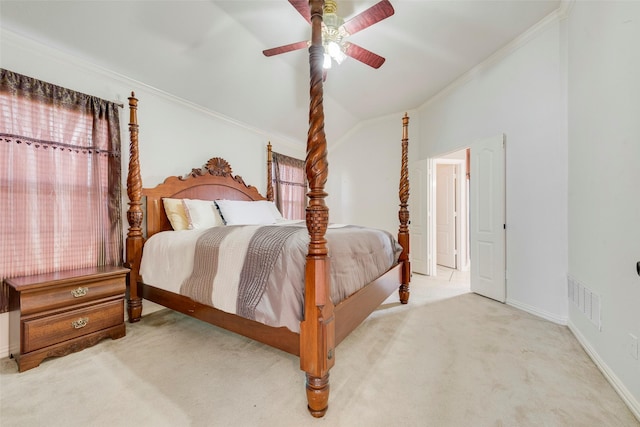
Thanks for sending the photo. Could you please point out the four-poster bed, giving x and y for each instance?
(322, 325)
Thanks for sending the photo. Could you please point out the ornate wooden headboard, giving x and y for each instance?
(213, 181)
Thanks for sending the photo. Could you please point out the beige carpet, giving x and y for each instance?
(448, 359)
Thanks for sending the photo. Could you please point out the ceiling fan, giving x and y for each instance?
(335, 30)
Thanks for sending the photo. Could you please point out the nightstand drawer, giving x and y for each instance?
(64, 296)
(45, 331)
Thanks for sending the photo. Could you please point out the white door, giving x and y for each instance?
(446, 215)
(418, 209)
(487, 218)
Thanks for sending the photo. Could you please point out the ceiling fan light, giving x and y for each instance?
(336, 52)
(327, 61)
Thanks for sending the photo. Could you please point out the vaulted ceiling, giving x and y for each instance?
(209, 52)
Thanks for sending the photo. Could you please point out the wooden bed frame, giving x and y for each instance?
(324, 325)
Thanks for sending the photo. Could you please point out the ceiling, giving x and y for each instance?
(209, 52)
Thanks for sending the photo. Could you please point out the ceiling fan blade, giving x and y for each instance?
(286, 48)
(302, 6)
(363, 55)
(374, 14)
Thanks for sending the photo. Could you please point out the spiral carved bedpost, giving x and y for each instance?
(317, 330)
(403, 214)
(269, 173)
(134, 214)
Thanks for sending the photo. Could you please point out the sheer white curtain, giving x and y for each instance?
(60, 183)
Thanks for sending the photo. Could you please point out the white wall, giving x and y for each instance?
(364, 172)
(604, 207)
(175, 136)
(519, 95)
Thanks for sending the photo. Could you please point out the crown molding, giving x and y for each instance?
(562, 12)
(566, 6)
(557, 15)
(35, 47)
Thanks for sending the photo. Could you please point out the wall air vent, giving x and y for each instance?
(585, 300)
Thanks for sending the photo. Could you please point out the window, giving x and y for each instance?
(60, 182)
(289, 186)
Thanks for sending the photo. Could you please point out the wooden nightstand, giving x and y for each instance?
(59, 313)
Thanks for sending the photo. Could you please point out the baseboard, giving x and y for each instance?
(619, 387)
(537, 312)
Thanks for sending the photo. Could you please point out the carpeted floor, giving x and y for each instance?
(450, 358)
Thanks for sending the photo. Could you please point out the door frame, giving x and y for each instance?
(418, 172)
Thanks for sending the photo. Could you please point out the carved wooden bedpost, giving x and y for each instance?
(403, 214)
(134, 214)
(317, 330)
(269, 173)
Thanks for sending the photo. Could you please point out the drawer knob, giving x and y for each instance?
(80, 323)
(80, 292)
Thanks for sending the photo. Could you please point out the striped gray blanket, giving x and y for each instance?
(257, 271)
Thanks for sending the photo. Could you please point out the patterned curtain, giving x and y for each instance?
(289, 186)
(60, 182)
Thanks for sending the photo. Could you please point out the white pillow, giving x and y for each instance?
(202, 214)
(274, 209)
(246, 212)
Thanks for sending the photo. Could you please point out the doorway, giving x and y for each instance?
(452, 210)
(479, 244)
